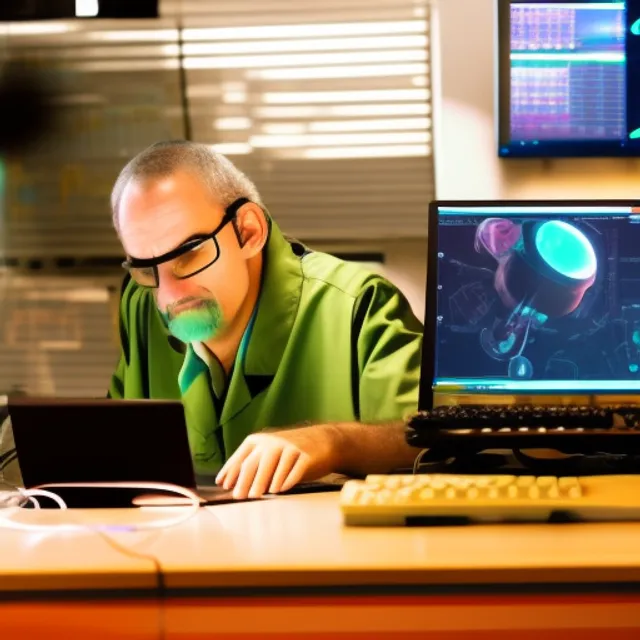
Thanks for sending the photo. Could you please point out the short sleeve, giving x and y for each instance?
(388, 344)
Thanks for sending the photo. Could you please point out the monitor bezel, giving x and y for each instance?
(427, 392)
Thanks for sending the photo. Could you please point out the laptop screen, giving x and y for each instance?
(531, 298)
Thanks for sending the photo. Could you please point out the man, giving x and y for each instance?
(291, 364)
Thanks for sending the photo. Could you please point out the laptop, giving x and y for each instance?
(528, 299)
(88, 440)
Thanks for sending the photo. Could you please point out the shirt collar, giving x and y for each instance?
(277, 305)
(268, 332)
(216, 372)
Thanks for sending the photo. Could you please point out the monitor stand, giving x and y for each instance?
(529, 462)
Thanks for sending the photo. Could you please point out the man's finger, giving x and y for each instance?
(270, 460)
(296, 474)
(287, 460)
(229, 473)
(248, 471)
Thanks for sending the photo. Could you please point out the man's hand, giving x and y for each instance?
(276, 461)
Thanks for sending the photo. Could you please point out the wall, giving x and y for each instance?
(466, 161)
(406, 266)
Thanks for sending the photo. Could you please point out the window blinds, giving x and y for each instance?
(327, 106)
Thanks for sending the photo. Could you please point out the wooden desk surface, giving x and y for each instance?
(70, 560)
(300, 541)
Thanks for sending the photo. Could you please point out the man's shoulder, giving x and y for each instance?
(350, 278)
(362, 290)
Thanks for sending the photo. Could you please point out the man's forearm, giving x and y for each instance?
(364, 448)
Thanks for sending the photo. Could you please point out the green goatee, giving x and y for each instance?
(196, 324)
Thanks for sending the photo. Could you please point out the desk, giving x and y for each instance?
(221, 568)
(71, 560)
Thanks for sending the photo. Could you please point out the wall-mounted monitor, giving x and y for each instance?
(568, 78)
(19, 10)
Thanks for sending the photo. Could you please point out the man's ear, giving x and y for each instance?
(252, 229)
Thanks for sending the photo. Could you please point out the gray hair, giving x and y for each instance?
(223, 179)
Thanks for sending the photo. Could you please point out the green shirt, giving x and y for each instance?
(328, 342)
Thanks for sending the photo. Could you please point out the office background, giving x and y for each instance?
(349, 117)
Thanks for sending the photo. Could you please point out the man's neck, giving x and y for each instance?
(226, 346)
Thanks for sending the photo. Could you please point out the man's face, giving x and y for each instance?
(160, 215)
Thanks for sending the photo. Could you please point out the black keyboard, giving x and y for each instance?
(568, 428)
(515, 416)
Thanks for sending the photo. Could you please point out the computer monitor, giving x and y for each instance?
(531, 297)
(566, 78)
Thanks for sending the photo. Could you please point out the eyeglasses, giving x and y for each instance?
(189, 259)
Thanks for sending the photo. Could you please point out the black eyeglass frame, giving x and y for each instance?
(144, 263)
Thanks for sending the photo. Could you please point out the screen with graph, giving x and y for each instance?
(569, 78)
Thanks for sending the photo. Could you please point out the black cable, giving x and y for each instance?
(7, 458)
(161, 586)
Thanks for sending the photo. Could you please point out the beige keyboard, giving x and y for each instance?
(409, 499)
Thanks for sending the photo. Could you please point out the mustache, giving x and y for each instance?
(188, 300)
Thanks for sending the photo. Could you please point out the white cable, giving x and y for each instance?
(192, 509)
(34, 502)
(30, 493)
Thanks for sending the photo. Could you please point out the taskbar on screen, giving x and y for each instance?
(556, 387)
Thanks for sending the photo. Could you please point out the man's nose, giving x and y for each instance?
(170, 288)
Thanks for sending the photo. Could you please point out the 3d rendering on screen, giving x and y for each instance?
(533, 297)
(543, 272)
